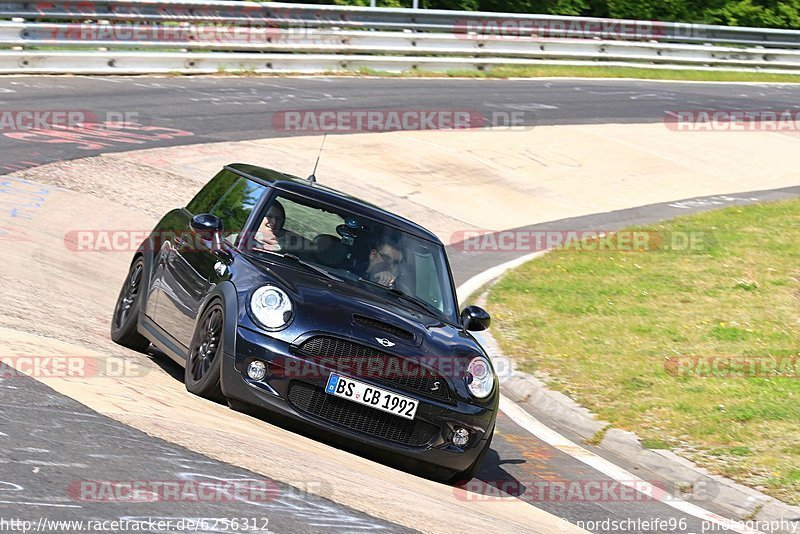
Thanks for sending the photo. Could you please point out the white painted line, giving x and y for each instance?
(476, 282)
(53, 505)
(481, 279)
(46, 464)
(10, 486)
(556, 440)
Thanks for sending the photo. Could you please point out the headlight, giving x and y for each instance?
(271, 307)
(480, 379)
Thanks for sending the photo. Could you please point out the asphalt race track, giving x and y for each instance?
(49, 441)
(224, 109)
(52, 442)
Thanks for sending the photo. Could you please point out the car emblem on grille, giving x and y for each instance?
(385, 342)
(435, 386)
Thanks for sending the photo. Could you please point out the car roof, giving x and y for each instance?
(316, 191)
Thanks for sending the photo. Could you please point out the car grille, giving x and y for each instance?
(385, 327)
(348, 414)
(400, 373)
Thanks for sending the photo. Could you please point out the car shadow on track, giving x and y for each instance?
(491, 475)
(493, 481)
(165, 362)
(168, 365)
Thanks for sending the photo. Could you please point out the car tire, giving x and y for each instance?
(468, 474)
(125, 321)
(204, 361)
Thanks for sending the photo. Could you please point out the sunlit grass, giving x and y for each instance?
(564, 71)
(602, 326)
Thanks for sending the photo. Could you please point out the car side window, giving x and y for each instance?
(212, 192)
(235, 206)
(427, 287)
(309, 222)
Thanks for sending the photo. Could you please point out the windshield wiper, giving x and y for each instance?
(405, 296)
(296, 259)
(320, 270)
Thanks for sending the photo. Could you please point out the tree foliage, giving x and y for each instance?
(758, 13)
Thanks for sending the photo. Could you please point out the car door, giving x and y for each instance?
(167, 299)
(190, 267)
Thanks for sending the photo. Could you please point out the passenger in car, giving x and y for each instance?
(383, 263)
(271, 236)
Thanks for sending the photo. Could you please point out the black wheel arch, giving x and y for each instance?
(225, 292)
(145, 252)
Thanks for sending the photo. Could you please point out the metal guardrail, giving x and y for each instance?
(137, 36)
(109, 63)
(244, 12)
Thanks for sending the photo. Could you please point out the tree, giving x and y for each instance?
(758, 13)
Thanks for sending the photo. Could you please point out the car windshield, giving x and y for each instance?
(357, 250)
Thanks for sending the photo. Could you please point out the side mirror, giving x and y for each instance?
(209, 225)
(205, 222)
(475, 318)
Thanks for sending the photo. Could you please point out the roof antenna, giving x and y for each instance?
(313, 178)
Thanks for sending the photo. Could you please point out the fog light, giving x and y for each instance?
(460, 437)
(256, 370)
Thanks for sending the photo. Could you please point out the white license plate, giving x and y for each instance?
(369, 395)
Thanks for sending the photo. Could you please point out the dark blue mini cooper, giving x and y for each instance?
(280, 295)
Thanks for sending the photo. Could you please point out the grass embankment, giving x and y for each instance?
(541, 71)
(569, 71)
(606, 329)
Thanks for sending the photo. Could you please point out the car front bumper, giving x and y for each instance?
(300, 397)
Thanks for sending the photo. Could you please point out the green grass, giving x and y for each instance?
(601, 327)
(655, 444)
(564, 71)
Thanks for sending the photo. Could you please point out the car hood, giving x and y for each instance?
(343, 310)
